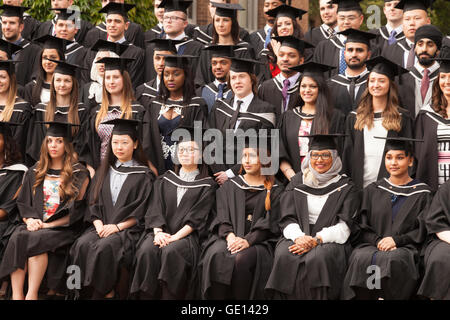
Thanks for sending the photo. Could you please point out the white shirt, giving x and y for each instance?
(389, 28)
(266, 28)
(188, 177)
(180, 37)
(362, 74)
(418, 100)
(373, 150)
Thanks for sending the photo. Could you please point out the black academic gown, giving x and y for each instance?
(436, 280)
(353, 155)
(24, 244)
(257, 40)
(156, 32)
(29, 57)
(76, 54)
(317, 274)
(195, 111)
(289, 126)
(133, 34)
(28, 92)
(95, 255)
(37, 131)
(328, 52)
(339, 86)
(396, 52)
(146, 92)
(175, 264)
(315, 35)
(48, 27)
(209, 93)
(216, 264)
(399, 273)
(203, 34)
(381, 42)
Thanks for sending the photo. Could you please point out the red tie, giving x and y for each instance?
(425, 84)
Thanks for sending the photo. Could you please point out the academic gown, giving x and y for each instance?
(289, 126)
(203, 34)
(28, 92)
(48, 27)
(257, 40)
(436, 280)
(445, 49)
(216, 262)
(95, 255)
(24, 244)
(156, 32)
(29, 57)
(152, 144)
(134, 34)
(381, 42)
(90, 103)
(175, 264)
(37, 131)
(396, 52)
(21, 114)
(328, 52)
(146, 92)
(209, 93)
(259, 115)
(339, 88)
(315, 35)
(76, 54)
(317, 274)
(399, 273)
(353, 155)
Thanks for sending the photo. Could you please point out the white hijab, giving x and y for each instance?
(314, 179)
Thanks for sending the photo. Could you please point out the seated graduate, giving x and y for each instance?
(378, 114)
(314, 114)
(178, 213)
(176, 105)
(117, 205)
(50, 203)
(12, 108)
(237, 257)
(62, 107)
(316, 220)
(11, 176)
(390, 231)
(436, 281)
(7, 50)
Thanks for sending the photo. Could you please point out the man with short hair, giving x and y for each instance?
(30, 24)
(328, 28)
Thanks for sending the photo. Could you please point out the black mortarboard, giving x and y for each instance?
(165, 44)
(431, 32)
(12, 11)
(347, 5)
(313, 68)
(51, 42)
(323, 141)
(408, 5)
(124, 127)
(384, 66)
(112, 63)
(444, 64)
(104, 45)
(5, 127)
(67, 14)
(177, 61)
(218, 50)
(59, 129)
(358, 36)
(399, 143)
(286, 11)
(243, 65)
(117, 8)
(175, 5)
(66, 68)
(227, 9)
(8, 65)
(293, 42)
(9, 48)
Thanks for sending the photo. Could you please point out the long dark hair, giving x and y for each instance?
(438, 101)
(188, 87)
(10, 149)
(298, 33)
(324, 104)
(235, 29)
(110, 160)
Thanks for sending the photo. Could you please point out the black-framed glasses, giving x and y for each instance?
(324, 156)
(170, 18)
(190, 150)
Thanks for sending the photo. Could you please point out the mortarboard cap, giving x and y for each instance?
(59, 129)
(112, 63)
(12, 11)
(8, 65)
(323, 141)
(175, 5)
(177, 61)
(5, 127)
(51, 42)
(243, 65)
(286, 11)
(125, 127)
(293, 42)
(408, 5)
(399, 143)
(165, 44)
(348, 5)
(384, 66)
(66, 68)
(9, 48)
(67, 14)
(444, 64)
(313, 68)
(104, 45)
(227, 9)
(358, 36)
(225, 51)
(117, 8)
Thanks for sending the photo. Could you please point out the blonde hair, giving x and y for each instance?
(11, 99)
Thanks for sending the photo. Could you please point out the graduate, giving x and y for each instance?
(51, 202)
(13, 108)
(220, 67)
(118, 201)
(179, 210)
(328, 28)
(347, 88)
(432, 125)
(282, 90)
(392, 31)
(175, 105)
(314, 114)
(237, 257)
(64, 106)
(117, 102)
(156, 32)
(331, 51)
(30, 24)
(225, 32)
(316, 221)
(7, 49)
(378, 114)
(390, 230)
(243, 111)
(12, 26)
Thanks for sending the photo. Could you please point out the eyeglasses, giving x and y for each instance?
(173, 18)
(190, 150)
(324, 156)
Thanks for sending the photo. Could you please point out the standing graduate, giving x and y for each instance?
(237, 257)
(433, 126)
(12, 26)
(64, 106)
(179, 209)
(314, 114)
(378, 114)
(51, 203)
(328, 28)
(30, 24)
(175, 105)
(392, 32)
(390, 231)
(347, 88)
(117, 205)
(12, 108)
(117, 102)
(316, 220)
(242, 112)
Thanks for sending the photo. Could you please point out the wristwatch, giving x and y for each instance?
(318, 241)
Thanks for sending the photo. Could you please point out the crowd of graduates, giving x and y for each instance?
(337, 170)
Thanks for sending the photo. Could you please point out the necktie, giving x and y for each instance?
(411, 56)
(284, 92)
(330, 32)
(162, 34)
(235, 114)
(221, 89)
(342, 63)
(425, 84)
(351, 90)
(269, 33)
(392, 38)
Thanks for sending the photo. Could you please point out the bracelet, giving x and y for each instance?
(118, 227)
